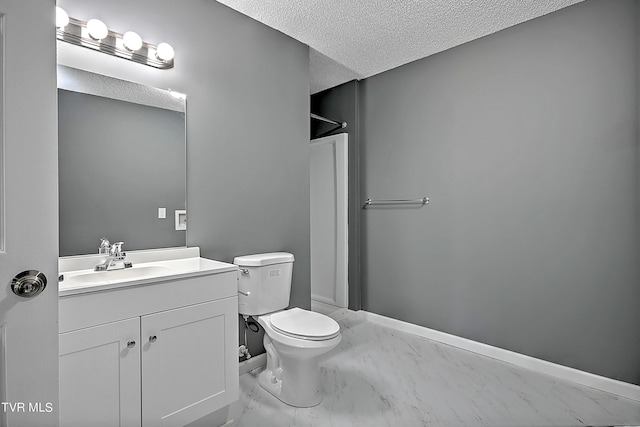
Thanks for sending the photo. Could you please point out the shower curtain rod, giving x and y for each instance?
(333, 122)
(339, 125)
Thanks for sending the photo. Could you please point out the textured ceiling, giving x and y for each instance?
(354, 39)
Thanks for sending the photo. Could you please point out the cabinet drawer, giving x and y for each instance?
(96, 308)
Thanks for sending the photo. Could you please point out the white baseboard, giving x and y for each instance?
(323, 307)
(340, 314)
(620, 388)
(255, 362)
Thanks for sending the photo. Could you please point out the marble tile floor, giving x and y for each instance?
(379, 376)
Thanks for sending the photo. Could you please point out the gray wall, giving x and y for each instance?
(341, 104)
(247, 92)
(527, 143)
(118, 163)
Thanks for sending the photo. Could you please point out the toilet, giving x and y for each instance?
(293, 338)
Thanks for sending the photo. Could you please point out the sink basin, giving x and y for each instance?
(118, 275)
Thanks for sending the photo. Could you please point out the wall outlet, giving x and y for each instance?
(181, 219)
(162, 213)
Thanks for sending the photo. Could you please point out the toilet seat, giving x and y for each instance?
(303, 324)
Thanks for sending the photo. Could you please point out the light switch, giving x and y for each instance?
(162, 213)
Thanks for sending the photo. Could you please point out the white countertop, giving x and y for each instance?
(148, 267)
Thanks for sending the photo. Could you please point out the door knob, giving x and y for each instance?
(29, 283)
(153, 338)
(131, 344)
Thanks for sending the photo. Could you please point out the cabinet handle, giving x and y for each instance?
(153, 338)
(131, 344)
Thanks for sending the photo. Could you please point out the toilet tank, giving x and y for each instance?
(264, 283)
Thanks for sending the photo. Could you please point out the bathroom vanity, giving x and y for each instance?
(152, 345)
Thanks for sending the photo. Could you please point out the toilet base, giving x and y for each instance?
(302, 400)
(294, 381)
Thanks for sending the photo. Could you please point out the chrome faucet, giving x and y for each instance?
(115, 259)
(105, 247)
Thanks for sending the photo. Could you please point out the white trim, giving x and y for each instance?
(3, 369)
(609, 385)
(323, 307)
(3, 178)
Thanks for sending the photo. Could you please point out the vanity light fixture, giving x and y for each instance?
(132, 41)
(97, 29)
(164, 52)
(62, 18)
(95, 35)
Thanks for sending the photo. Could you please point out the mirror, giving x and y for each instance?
(122, 158)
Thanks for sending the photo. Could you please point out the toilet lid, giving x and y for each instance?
(305, 324)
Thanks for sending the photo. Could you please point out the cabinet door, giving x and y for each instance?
(189, 362)
(100, 375)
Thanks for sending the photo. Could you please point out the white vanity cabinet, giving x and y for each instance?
(158, 354)
(100, 375)
(184, 353)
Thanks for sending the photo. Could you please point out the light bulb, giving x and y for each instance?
(62, 17)
(132, 41)
(97, 29)
(164, 52)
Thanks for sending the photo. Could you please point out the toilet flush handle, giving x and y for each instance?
(244, 271)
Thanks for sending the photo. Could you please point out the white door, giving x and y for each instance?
(28, 213)
(329, 223)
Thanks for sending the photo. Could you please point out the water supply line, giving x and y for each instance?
(244, 349)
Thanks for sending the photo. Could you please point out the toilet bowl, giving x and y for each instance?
(294, 338)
